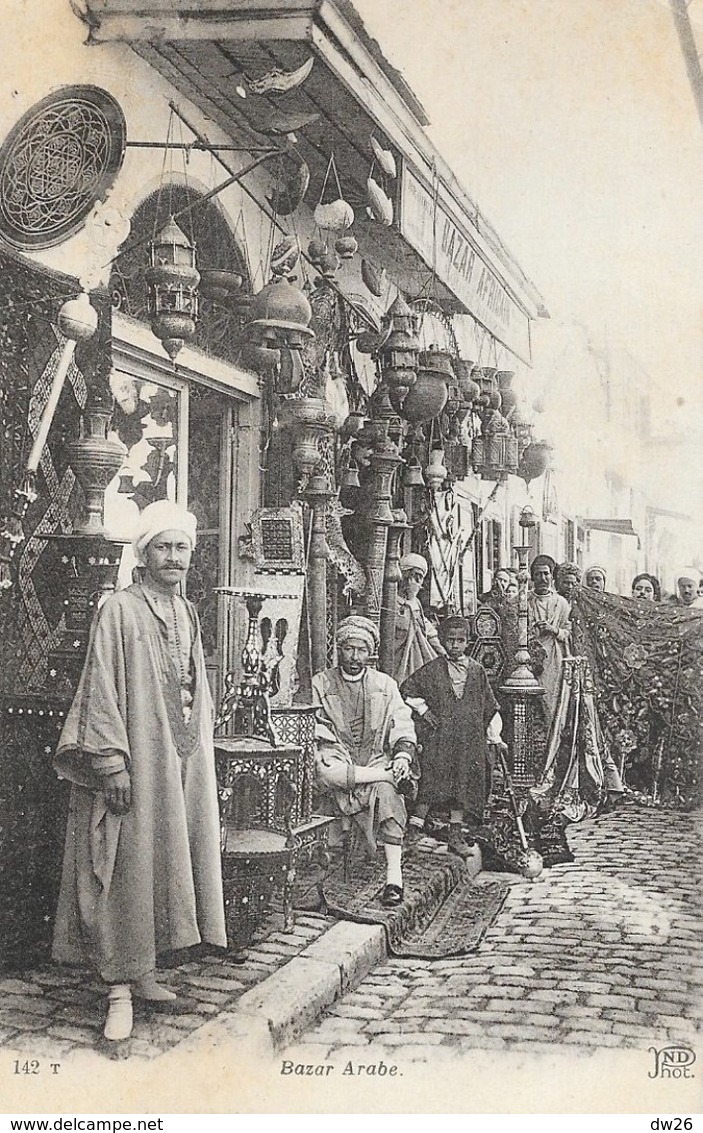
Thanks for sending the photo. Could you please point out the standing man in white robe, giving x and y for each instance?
(141, 873)
(549, 624)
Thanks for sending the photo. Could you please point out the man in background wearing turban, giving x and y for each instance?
(687, 584)
(595, 578)
(141, 873)
(366, 746)
(549, 627)
(416, 638)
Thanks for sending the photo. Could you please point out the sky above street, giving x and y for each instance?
(572, 124)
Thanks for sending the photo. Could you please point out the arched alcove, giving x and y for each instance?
(216, 246)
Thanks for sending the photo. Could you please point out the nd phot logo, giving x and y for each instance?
(672, 1062)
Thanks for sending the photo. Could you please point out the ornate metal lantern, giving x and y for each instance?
(399, 354)
(428, 396)
(436, 472)
(465, 371)
(280, 316)
(508, 395)
(413, 474)
(173, 288)
(534, 461)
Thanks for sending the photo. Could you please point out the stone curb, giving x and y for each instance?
(272, 1014)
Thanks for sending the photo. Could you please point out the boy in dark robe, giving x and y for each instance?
(457, 717)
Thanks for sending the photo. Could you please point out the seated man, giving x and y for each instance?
(365, 749)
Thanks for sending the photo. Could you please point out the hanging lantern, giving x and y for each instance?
(346, 247)
(329, 264)
(334, 217)
(495, 400)
(428, 395)
(436, 472)
(280, 315)
(522, 427)
(291, 186)
(316, 250)
(285, 256)
(508, 395)
(220, 286)
(470, 389)
(350, 477)
(173, 288)
(485, 375)
(413, 477)
(534, 461)
(400, 352)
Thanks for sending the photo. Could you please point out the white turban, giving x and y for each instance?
(158, 517)
(413, 562)
(358, 628)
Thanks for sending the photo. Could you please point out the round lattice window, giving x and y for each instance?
(57, 161)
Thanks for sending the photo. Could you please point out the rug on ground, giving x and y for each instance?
(445, 911)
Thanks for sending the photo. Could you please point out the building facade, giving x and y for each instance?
(294, 162)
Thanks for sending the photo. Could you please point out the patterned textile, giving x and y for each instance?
(445, 913)
(30, 347)
(647, 665)
(579, 773)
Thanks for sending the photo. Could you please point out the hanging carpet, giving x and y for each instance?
(444, 913)
(646, 660)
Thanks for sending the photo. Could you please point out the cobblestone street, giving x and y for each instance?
(602, 952)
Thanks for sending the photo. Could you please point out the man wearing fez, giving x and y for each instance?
(366, 746)
(549, 627)
(141, 873)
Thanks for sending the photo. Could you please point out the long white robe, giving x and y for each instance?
(149, 881)
(554, 610)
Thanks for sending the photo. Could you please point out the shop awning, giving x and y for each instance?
(614, 526)
(206, 48)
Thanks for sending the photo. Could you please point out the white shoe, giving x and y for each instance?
(118, 1025)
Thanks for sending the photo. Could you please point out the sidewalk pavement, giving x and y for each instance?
(286, 982)
(602, 949)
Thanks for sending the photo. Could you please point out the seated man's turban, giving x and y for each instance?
(357, 628)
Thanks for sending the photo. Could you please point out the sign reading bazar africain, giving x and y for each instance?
(445, 244)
